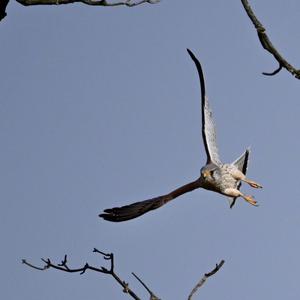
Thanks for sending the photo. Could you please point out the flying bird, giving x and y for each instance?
(225, 179)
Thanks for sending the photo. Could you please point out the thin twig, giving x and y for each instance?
(204, 278)
(34, 267)
(267, 44)
(152, 295)
(274, 72)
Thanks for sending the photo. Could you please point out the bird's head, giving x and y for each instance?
(210, 173)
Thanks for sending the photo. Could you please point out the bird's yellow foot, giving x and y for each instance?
(254, 184)
(250, 200)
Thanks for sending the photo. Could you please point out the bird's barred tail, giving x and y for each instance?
(134, 210)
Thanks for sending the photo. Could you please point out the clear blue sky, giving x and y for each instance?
(101, 107)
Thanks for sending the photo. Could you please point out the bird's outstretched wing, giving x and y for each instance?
(134, 210)
(208, 126)
(242, 164)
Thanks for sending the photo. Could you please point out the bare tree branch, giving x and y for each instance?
(63, 266)
(3, 4)
(274, 72)
(152, 296)
(129, 3)
(204, 278)
(267, 44)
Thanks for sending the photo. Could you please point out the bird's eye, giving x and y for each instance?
(208, 173)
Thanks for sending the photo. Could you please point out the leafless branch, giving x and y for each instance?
(63, 266)
(129, 3)
(274, 72)
(3, 4)
(267, 44)
(152, 296)
(204, 278)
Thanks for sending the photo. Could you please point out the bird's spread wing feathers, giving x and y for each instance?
(242, 164)
(208, 126)
(209, 134)
(134, 210)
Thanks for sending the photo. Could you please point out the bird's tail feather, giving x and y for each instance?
(134, 210)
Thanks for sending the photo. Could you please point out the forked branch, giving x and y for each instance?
(267, 44)
(63, 266)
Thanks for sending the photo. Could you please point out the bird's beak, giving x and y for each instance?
(206, 174)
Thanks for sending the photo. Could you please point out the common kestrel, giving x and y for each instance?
(222, 178)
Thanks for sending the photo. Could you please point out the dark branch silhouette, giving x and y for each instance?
(152, 296)
(128, 3)
(63, 266)
(204, 278)
(3, 4)
(267, 44)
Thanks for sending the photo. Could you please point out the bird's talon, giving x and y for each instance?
(255, 185)
(250, 200)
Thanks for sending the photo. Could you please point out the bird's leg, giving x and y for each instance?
(252, 183)
(249, 199)
(231, 192)
(238, 175)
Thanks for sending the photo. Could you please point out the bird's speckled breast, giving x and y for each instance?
(222, 180)
(227, 180)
